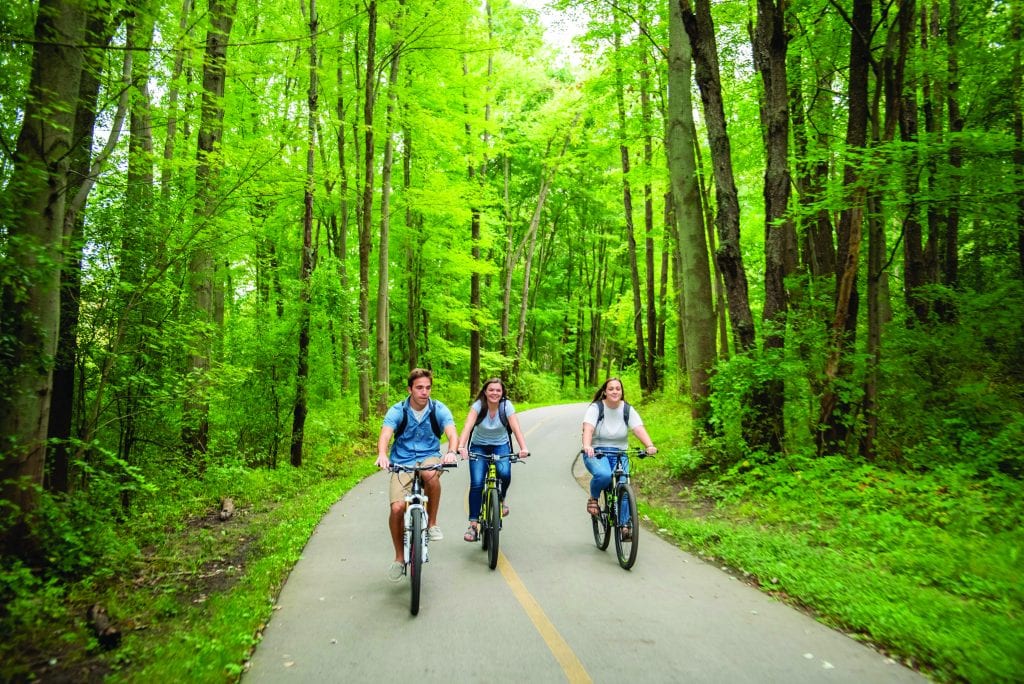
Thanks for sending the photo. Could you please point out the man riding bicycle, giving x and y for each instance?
(416, 424)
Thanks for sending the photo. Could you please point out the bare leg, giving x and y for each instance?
(432, 487)
(396, 521)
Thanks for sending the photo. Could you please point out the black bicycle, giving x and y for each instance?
(415, 538)
(617, 507)
(489, 522)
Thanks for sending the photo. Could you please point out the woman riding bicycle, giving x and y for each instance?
(489, 427)
(607, 423)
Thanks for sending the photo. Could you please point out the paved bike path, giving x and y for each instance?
(557, 609)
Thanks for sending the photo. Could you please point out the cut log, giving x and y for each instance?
(227, 508)
(108, 635)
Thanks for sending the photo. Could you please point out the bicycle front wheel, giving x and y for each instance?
(626, 531)
(416, 558)
(494, 525)
(602, 533)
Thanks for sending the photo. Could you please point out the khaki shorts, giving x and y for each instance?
(401, 483)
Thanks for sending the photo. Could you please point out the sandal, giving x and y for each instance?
(626, 533)
(472, 533)
(504, 511)
(592, 507)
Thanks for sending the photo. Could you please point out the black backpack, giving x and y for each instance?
(405, 419)
(502, 416)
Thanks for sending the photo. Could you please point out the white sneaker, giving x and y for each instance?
(395, 571)
(435, 533)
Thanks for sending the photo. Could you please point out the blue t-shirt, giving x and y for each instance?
(491, 431)
(418, 440)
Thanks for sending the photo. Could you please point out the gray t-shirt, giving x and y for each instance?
(491, 431)
(613, 431)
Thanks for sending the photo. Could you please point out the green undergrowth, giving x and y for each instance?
(189, 592)
(925, 566)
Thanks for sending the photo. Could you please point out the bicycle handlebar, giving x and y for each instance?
(513, 458)
(601, 452)
(397, 468)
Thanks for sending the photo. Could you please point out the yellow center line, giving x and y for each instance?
(574, 671)
(571, 665)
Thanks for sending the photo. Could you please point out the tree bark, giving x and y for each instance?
(195, 428)
(833, 428)
(366, 217)
(627, 209)
(698, 307)
(301, 409)
(33, 214)
(728, 257)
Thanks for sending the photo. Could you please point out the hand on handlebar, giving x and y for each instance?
(524, 453)
(651, 450)
(589, 451)
(383, 462)
(464, 452)
(449, 458)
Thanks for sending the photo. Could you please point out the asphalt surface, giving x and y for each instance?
(556, 609)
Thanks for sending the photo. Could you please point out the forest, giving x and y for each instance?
(229, 228)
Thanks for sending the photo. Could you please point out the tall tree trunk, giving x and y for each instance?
(366, 217)
(167, 169)
(655, 361)
(474, 238)
(384, 251)
(627, 207)
(1017, 31)
(951, 237)
(698, 309)
(98, 32)
(728, 257)
(818, 251)
(195, 419)
(832, 424)
(33, 218)
(306, 273)
(767, 428)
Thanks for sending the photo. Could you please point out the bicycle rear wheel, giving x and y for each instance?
(494, 525)
(416, 558)
(602, 533)
(626, 536)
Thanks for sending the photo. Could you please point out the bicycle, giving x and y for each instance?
(617, 506)
(489, 522)
(415, 539)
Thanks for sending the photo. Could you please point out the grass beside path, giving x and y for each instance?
(924, 566)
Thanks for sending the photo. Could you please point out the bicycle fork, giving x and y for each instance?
(413, 503)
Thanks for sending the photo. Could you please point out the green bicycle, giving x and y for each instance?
(617, 508)
(490, 509)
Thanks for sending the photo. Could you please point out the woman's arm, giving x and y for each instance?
(467, 430)
(641, 434)
(513, 422)
(588, 439)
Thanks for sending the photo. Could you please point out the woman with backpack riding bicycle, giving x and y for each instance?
(607, 423)
(489, 428)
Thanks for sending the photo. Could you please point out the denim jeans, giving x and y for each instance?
(601, 468)
(478, 471)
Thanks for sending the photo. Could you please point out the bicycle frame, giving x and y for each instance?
(415, 538)
(490, 518)
(618, 495)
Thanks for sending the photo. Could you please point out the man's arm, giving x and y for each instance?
(382, 446)
(453, 442)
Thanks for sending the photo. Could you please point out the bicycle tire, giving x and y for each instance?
(626, 549)
(602, 532)
(483, 523)
(494, 523)
(416, 558)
